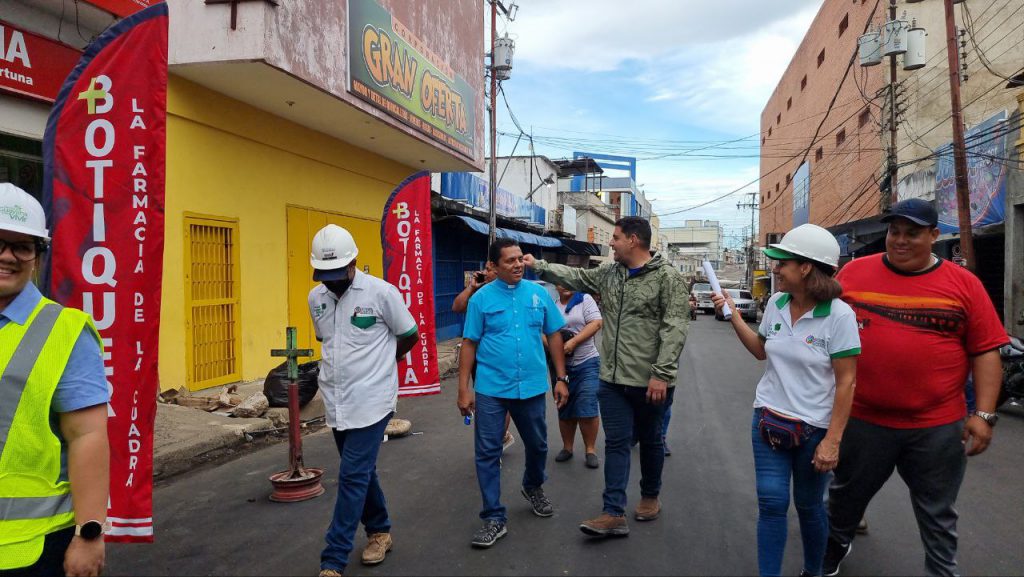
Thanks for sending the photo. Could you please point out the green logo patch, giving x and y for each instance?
(14, 212)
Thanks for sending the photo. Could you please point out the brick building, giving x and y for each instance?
(832, 179)
(837, 183)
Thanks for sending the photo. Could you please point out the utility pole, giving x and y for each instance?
(959, 148)
(497, 71)
(893, 169)
(898, 40)
(492, 215)
(752, 205)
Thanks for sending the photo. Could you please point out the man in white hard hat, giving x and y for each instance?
(365, 328)
(51, 371)
(924, 324)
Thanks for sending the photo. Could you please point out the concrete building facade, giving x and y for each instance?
(687, 246)
(992, 114)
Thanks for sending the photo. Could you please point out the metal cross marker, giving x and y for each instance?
(298, 483)
(292, 353)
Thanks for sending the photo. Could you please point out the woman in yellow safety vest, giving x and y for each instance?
(51, 365)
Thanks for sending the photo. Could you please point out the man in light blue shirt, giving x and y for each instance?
(504, 335)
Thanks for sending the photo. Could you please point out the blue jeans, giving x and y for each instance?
(969, 394)
(528, 415)
(624, 408)
(774, 469)
(360, 497)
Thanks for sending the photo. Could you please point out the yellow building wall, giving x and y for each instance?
(229, 159)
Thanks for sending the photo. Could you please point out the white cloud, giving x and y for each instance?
(717, 61)
(675, 187)
(725, 84)
(600, 35)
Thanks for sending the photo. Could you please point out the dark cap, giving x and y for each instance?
(321, 275)
(915, 210)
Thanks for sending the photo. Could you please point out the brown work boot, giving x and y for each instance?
(605, 526)
(648, 509)
(330, 573)
(377, 548)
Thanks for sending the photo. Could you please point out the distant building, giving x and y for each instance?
(688, 245)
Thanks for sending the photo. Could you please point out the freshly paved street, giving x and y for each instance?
(218, 521)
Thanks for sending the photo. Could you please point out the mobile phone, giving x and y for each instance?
(479, 277)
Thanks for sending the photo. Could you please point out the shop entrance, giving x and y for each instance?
(303, 223)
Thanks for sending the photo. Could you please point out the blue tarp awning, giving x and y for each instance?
(519, 236)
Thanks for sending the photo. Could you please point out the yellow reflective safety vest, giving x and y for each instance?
(35, 495)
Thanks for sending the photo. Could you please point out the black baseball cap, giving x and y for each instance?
(916, 210)
(328, 275)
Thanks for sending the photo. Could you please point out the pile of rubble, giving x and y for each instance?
(227, 403)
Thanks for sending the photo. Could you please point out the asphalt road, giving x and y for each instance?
(218, 521)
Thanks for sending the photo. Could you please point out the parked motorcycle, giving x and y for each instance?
(1012, 390)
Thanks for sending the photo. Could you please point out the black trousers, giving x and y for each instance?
(931, 461)
(51, 561)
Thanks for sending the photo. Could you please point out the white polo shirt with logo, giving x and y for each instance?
(358, 372)
(798, 380)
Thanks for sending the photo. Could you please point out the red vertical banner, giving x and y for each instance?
(104, 162)
(408, 264)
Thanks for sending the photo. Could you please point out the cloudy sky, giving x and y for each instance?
(656, 80)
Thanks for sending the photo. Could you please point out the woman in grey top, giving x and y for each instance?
(583, 362)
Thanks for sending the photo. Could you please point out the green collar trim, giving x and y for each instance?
(822, 309)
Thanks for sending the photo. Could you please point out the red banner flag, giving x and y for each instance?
(104, 160)
(408, 264)
(121, 7)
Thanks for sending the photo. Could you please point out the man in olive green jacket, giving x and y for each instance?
(644, 302)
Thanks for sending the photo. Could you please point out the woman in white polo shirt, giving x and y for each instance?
(810, 340)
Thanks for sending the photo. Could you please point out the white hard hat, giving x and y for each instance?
(808, 241)
(333, 249)
(21, 212)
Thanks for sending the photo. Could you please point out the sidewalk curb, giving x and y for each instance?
(185, 438)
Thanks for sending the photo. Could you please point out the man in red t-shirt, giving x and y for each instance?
(924, 324)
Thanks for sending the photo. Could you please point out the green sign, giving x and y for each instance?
(393, 70)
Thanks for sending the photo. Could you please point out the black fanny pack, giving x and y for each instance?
(780, 431)
(566, 335)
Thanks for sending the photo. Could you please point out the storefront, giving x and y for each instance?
(460, 231)
(32, 68)
(264, 148)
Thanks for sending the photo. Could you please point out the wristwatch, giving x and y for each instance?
(92, 530)
(564, 379)
(990, 418)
